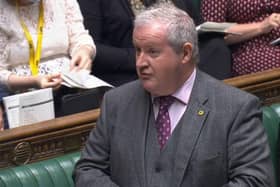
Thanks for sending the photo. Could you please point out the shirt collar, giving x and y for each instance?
(184, 92)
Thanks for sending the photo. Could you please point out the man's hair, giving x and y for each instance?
(180, 26)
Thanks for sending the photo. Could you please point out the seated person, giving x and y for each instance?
(258, 23)
(175, 126)
(38, 38)
(110, 23)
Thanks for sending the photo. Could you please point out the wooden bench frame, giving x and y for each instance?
(45, 140)
(265, 85)
(51, 138)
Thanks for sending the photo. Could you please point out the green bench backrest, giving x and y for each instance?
(55, 172)
(271, 121)
(276, 108)
(270, 118)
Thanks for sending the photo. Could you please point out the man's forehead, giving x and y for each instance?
(148, 38)
(149, 31)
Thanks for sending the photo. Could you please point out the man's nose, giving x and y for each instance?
(141, 60)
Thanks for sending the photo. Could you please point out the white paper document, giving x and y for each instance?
(215, 27)
(82, 79)
(29, 107)
(275, 42)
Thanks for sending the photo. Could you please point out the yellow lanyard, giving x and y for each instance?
(34, 56)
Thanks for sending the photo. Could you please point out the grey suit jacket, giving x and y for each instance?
(223, 142)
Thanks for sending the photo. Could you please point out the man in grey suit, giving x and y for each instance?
(210, 136)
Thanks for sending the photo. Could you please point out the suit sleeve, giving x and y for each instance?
(108, 58)
(93, 169)
(249, 162)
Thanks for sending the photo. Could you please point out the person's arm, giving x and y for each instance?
(251, 30)
(14, 82)
(249, 162)
(39, 81)
(108, 58)
(82, 48)
(93, 168)
(216, 10)
(4, 73)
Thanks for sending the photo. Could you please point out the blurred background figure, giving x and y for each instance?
(39, 38)
(258, 23)
(110, 23)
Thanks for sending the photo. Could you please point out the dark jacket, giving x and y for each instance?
(226, 146)
(110, 23)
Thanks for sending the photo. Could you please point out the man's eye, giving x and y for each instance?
(138, 51)
(153, 52)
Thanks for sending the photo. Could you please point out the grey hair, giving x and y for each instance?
(180, 26)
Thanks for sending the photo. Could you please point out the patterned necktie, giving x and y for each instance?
(163, 124)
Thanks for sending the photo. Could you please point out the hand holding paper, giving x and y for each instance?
(215, 27)
(82, 79)
(82, 58)
(49, 81)
(275, 42)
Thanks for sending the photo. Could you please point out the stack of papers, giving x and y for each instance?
(29, 107)
(82, 79)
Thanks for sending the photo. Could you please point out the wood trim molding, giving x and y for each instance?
(46, 139)
(265, 85)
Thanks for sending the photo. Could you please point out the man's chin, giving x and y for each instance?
(149, 86)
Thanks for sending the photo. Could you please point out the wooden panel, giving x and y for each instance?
(265, 85)
(46, 139)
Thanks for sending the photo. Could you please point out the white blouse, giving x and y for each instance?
(63, 34)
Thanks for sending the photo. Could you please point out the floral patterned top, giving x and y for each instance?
(63, 34)
(256, 54)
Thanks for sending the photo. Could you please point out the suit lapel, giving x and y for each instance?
(139, 132)
(191, 125)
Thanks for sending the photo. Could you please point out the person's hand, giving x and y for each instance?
(271, 22)
(49, 81)
(82, 59)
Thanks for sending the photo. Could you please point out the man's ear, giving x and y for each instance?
(187, 52)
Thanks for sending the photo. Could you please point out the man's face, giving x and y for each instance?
(158, 66)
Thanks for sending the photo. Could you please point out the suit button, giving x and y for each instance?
(158, 169)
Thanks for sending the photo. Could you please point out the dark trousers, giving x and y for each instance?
(215, 56)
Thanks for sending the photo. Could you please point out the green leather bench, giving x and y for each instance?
(271, 121)
(57, 172)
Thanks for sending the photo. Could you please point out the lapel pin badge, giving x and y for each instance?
(200, 112)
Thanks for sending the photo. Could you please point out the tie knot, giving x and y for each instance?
(165, 101)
